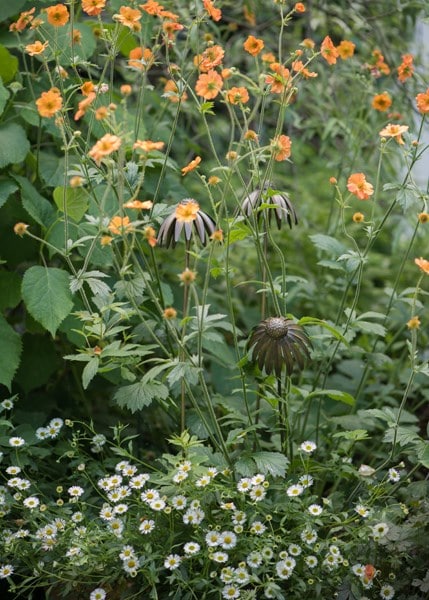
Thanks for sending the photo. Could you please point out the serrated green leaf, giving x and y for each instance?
(328, 243)
(36, 205)
(337, 395)
(325, 325)
(10, 289)
(423, 453)
(90, 371)
(273, 463)
(51, 169)
(7, 188)
(4, 95)
(354, 435)
(47, 295)
(138, 395)
(8, 65)
(73, 201)
(10, 350)
(183, 370)
(14, 145)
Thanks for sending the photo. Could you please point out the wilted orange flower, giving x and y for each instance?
(186, 212)
(187, 276)
(169, 27)
(280, 78)
(140, 58)
(101, 113)
(139, 205)
(126, 89)
(152, 8)
(394, 131)
(381, 102)
(76, 36)
(358, 217)
(213, 180)
(359, 186)
(308, 43)
(300, 7)
(148, 145)
(253, 45)
(58, 15)
(299, 67)
(210, 58)
(423, 264)
(414, 323)
(251, 135)
(237, 95)
(423, 217)
(422, 100)
(214, 13)
(333, 180)
(93, 7)
(76, 181)
(281, 146)
(149, 235)
(106, 240)
(49, 103)
(36, 48)
(217, 235)
(24, 19)
(105, 146)
(119, 225)
(406, 68)
(129, 17)
(83, 105)
(379, 67)
(171, 91)
(209, 85)
(268, 57)
(192, 165)
(345, 49)
(328, 51)
(169, 313)
(20, 228)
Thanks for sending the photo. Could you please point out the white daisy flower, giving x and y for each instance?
(315, 509)
(6, 571)
(97, 594)
(394, 475)
(31, 502)
(230, 591)
(172, 561)
(17, 442)
(311, 561)
(191, 548)
(146, 526)
(387, 592)
(75, 491)
(308, 447)
(219, 557)
(294, 490)
(228, 540)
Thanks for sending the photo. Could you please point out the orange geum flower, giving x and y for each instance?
(138, 204)
(423, 264)
(414, 323)
(406, 68)
(169, 27)
(169, 313)
(58, 15)
(49, 103)
(394, 131)
(106, 145)
(299, 67)
(213, 180)
(187, 276)
(209, 85)
(251, 135)
(83, 105)
(129, 17)
(345, 49)
(359, 186)
(192, 165)
(140, 58)
(36, 48)
(152, 8)
(280, 78)
(237, 95)
(423, 217)
(106, 240)
(93, 7)
(329, 51)
(126, 89)
(171, 91)
(281, 146)
(308, 43)
(217, 235)
(300, 7)
(253, 45)
(101, 113)
(214, 13)
(87, 88)
(358, 217)
(76, 181)
(381, 102)
(24, 19)
(119, 225)
(148, 145)
(210, 58)
(422, 100)
(149, 235)
(268, 57)
(166, 14)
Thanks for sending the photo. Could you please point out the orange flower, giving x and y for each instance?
(253, 45)
(346, 49)
(213, 180)
(379, 67)
(20, 228)
(209, 85)
(171, 91)
(87, 88)
(249, 16)
(381, 102)
(152, 8)
(169, 27)
(210, 58)
(129, 17)
(422, 100)
(186, 212)
(359, 186)
(214, 13)
(83, 105)
(24, 19)
(280, 79)
(369, 572)
(139, 205)
(192, 165)
(268, 57)
(299, 7)
(49, 103)
(237, 95)
(105, 146)
(148, 145)
(187, 276)
(101, 113)
(106, 240)
(217, 235)
(423, 217)
(93, 7)
(328, 51)
(149, 234)
(308, 43)
(251, 135)
(358, 217)
(119, 225)
(281, 146)
(423, 264)
(406, 68)
(414, 323)
(169, 313)
(126, 89)
(58, 15)
(140, 58)
(36, 48)
(76, 36)
(299, 67)
(394, 131)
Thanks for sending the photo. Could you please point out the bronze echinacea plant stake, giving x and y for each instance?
(187, 219)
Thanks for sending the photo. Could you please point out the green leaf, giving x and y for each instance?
(355, 435)
(183, 370)
(10, 289)
(423, 453)
(8, 64)
(137, 395)
(273, 463)
(328, 243)
(10, 9)
(51, 169)
(74, 199)
(36, 205)
(90, 371)
(337, 395)
(10, 350)
(4, 95)
(325, 325)
(14, 145)
(47, 295)
(7, 188)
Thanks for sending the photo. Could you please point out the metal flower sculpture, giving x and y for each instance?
(284, 210)
(186, 217)
(278, 342)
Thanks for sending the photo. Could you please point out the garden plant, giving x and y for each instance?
(214, 270)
